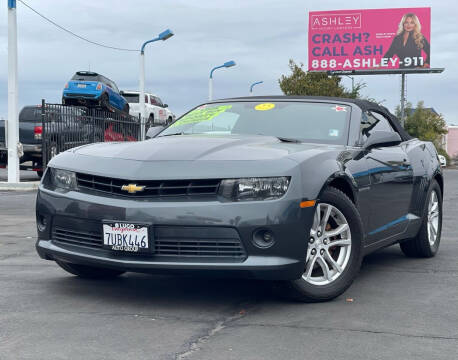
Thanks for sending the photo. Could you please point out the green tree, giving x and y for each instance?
(424, 124)
(300, 82)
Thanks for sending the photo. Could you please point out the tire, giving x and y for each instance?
(347, 255)
(88, 272)
(126, 109)
(104, 102)
(420, 245)
(169, 121)
(40, 173)
(150, 122)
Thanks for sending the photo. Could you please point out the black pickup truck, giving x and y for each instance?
(30, 134)
(66, 127)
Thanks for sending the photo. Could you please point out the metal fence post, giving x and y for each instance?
(44, 158)
(92, 125)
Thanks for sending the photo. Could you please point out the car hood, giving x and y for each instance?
(200, 147)
(194, 156)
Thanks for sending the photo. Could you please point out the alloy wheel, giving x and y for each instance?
(329, 246)
(433, 218)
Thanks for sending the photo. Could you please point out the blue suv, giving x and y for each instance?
(91, 89)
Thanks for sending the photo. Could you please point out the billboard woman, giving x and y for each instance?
(409, 43)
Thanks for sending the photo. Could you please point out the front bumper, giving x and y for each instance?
(284, 260)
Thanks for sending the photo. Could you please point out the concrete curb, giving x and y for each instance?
(22, 186)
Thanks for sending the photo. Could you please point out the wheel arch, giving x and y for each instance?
(342, 182)
(440, 180)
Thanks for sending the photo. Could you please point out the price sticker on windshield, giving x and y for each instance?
(202, 113)
(338, 108)
(264, 106)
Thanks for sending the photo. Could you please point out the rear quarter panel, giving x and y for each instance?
(425, 164)
(27, 133)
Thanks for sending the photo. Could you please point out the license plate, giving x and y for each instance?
(125, 237)
(82, 86)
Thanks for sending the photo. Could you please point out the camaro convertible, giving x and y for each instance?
(292, 189)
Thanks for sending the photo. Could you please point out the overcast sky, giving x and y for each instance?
(261, 36)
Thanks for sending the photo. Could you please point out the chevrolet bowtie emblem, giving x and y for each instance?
(132, 188)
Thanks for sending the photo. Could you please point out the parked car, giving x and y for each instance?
(31, 129)
(442, 160)
(156, 112)
(66, 127)
(296, 189)
(3, 148)
(91, 89)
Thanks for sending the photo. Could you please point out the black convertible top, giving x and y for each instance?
(364, 105)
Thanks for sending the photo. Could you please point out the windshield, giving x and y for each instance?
(30, 113)
(309, 122)
(86, 77)
(131, 98)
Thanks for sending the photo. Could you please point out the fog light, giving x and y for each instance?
(263, 238)
(42, 222)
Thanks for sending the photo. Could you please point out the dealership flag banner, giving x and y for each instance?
(369, 39)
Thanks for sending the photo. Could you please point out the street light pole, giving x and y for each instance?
(142, 94)
(162, 36)
(12, 128)
(352, 82)
(210, 88)
(227, 64)
(403, 97)
(252, 85)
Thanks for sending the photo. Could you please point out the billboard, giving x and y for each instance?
(369, 39)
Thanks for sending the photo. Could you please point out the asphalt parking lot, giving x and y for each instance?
(398, 308)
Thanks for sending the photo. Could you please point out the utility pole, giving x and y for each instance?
(403, 97)
(12, 123)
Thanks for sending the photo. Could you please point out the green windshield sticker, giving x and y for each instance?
(200, 114)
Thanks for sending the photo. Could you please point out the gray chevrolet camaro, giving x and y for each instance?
(294, 189)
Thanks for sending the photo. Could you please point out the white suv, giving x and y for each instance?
(155, 111)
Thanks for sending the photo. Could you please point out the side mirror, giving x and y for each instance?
(166, 105)
(153, 131)
(382, 138)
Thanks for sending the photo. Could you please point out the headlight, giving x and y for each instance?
(63, 179)
(252, 189)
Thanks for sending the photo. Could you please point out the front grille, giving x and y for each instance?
(152, 188)
(74, 237)
(182, 241)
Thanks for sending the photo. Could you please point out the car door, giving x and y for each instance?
(160, 108)
(391, 182)
(116, 97)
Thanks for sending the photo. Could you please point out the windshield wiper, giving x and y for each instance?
(289, 140)
(283, 139)
(178, 133)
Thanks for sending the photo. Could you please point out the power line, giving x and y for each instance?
(72, 33)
